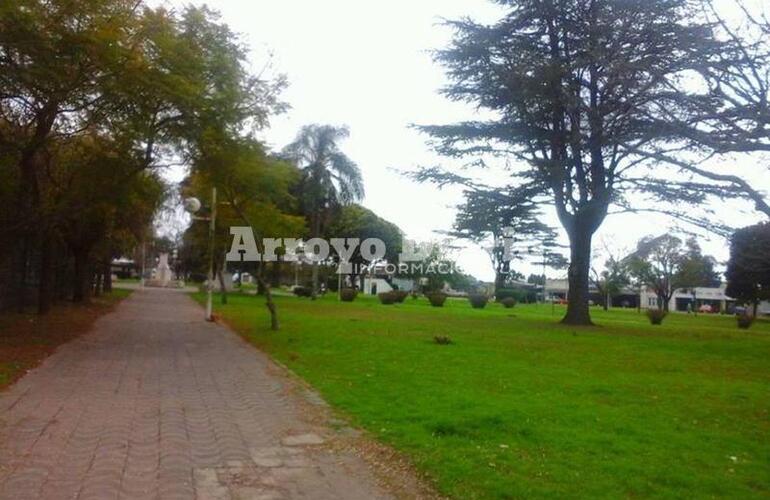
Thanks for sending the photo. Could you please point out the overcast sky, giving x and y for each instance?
(367, 65)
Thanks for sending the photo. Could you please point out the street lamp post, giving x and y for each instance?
(212, 229)
(192, 205)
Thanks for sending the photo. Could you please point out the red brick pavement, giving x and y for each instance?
(156, 403)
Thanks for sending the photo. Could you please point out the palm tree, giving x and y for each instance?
(329, 178)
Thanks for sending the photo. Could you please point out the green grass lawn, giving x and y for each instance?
(520, 406)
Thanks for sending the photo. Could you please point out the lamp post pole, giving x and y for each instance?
(212, 229)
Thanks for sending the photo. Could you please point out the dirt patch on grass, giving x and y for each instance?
(27, 339)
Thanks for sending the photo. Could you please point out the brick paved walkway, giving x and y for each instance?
(156, 403)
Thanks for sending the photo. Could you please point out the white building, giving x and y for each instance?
(695, 298)
(714, 297)
(372, 285)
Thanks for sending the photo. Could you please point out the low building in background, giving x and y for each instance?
(698, 299)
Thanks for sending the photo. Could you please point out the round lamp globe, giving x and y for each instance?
(192, 205)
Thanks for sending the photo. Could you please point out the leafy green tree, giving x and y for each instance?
(536, 279)
(610, 281)
(118, 83)
(655, 264)
(576, 91)
(696, 269)
(355, 221)
(256, 191)
(330, 179)
(748, 270)
(94, 199)
(665, 264)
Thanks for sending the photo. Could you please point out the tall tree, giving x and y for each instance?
(610, 281)
(748, 270)
(505, 224)
(576, 90)
(143, 85)
(665, 264)
(255, 189)
(655, 264)
(696, 269)
(330, 179)
(355, 221)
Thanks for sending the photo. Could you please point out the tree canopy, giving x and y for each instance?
(330, 179)
(96, 98)
(748, 270)
(664, 265)
(578, 92)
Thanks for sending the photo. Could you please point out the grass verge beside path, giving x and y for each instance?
(521, 406)
(27, 339)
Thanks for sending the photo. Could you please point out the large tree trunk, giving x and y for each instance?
(22, 262)
(82, 279)
(107, 276)
(275, 277)
(500, 278)
(28, 194)
(97, 278)
(46, 283)
(315, 280)
(579, 278)
(261, 283)
(222, 287)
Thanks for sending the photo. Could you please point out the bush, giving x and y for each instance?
(508, 302)
(348, 294)
(745, 321)
(478, 300)
(400, 295)
(514, 293)
(656, 316)
(302, 291)
(505, 293)
(436, 299)
(442, 340)
(387, 298)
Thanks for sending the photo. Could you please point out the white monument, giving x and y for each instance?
(163, 271)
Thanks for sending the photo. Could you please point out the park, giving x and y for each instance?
(311, 250)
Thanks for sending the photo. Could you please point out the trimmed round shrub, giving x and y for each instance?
(348, 294)
(504, 293)
(387, 298)
(436, 299)
(400, 295)
(302, 291)
(745, 321)
(508, 302)
(656, 316)
(478, 300)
